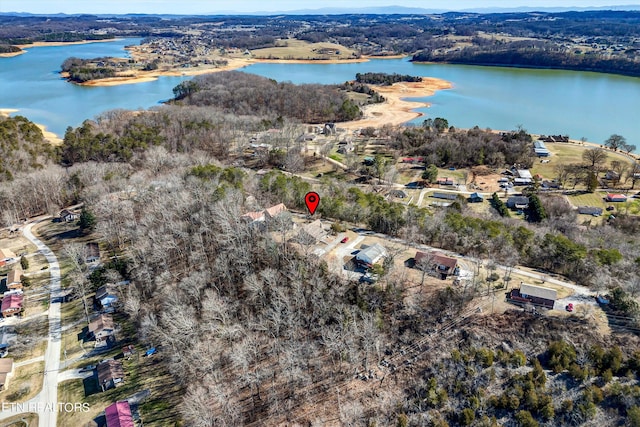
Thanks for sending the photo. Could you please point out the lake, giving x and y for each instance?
(580, 104)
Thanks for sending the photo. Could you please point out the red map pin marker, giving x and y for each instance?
(312, 201)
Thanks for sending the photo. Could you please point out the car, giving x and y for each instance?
(88, 368)
(345, 240)
(569, 307)
(610, 208)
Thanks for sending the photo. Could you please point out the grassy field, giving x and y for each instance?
(565, 154)
(25, 383)
(299, 49)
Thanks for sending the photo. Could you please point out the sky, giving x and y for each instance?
(225, 6)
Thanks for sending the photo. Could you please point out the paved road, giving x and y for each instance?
(73, 374)
(48, 396)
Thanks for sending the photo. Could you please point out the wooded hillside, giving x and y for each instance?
(22, 147)
(240, 93)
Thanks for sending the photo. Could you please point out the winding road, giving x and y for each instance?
(45, 403)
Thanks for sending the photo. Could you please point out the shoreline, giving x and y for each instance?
(24, 48)
(234, 64)
(397, 109)
(149, 76)
(49, 136)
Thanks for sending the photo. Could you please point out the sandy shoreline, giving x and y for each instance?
(48, 135)
(24, 47)
(397, 110)
(234, 64)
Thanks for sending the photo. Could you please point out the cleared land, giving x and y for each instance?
(292, 49)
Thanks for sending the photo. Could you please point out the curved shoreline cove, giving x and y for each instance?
(574, 103)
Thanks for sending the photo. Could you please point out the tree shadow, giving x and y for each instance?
(90, 385)
(67, 235)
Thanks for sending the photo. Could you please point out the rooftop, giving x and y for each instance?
(119, 415)
(538, 291)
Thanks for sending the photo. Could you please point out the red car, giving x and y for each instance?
(569, 307)
(345, 240)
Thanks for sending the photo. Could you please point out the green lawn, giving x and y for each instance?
(589, 199)
(565, 154)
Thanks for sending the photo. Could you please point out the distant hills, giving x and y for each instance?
(378, 10)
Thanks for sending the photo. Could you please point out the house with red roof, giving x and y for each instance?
(11, 305)
(119, 415)
(616, 197)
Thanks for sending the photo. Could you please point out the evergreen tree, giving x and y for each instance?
(87, 221)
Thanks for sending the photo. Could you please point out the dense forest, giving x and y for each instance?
(240, 93)
(22, 147)
(536, 54)
(5, 48)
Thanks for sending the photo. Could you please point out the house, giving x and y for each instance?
(92, 252)
(590, 210)
(616, 197)
(612, 176)
(524, 174)
(7, 257)
(445, 196)
(445, 181)
(110, 374)
(438, 263)
(313, 232)
(253, 217)
(106, 295)
(119, 415)
(550, 184)
(536, 295)
(371, 255)
(265, 214)
(274, 211)
(6, 371)
(523, 177)
(11, 304)
(540, 149)
(68, 216)
(518, 202)
(14, 279)
(103, 330)
(476, 198)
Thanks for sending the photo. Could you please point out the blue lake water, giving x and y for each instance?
(580, 104)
